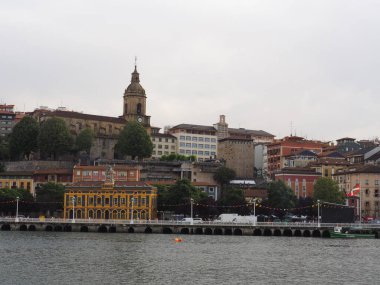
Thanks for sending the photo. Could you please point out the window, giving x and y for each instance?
(200, 152)
(213, 140)
(200, 139)
(376, 182)
(188, 144)
(207, 146)
(166, 147)
(182, 138)
(195, 139)
(188, 151)
(207, 139)
(188, 138)
(160, 140)
(200, 145)
(211, 190)
(182, 151)
(182, 144)
(207, 153)
(160, 146)
(194, 145)
(160, 153)
(138, 109)
(194, 152)
(122, 200)
(213, 146)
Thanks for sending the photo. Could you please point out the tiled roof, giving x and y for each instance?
(297, 170)
(361, 151)
(159, 135)
(67, 171)
(368, 168)
(330, 161)
(117, 184)
(77, 115)
(303, 152)
(16, 173)
(250, 132)
(194, 127)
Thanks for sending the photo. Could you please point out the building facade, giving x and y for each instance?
(7, 119)
(110, 199)
(106, 129)
(18, 180)
(238, 154)
(300, 180)
(279, 150)
(163, 144)
(200, 141)
(367, 178)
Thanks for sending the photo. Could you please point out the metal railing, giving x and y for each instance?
(183, 223)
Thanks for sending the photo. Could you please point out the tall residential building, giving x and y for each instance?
(279, 150)
(197, 140)
(7, 119)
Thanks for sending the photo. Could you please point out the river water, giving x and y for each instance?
(94, 258)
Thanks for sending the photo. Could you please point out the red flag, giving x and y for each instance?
(355, 191)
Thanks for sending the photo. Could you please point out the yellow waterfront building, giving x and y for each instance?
(110, 199)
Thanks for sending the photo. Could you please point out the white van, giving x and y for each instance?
(195, 220)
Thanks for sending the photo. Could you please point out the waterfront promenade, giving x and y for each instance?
(176, 227)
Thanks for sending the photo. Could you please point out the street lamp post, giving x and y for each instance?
(73, 201)
(318, 203)
(254, 211)
(191, 210)
(16, 220)
(132, 209)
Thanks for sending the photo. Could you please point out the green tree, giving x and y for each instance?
(49, 198)
(327, 190)
(54, 138)
(4, 148)
(281, 196)
(177, 157)
(84, 140)
(50, 192)
(224, 175)
(233, 199)
(177, 197)
(135, 141)
(23, 139)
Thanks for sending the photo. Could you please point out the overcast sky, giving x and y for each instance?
(263, 64)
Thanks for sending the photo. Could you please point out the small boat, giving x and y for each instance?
(351, 232)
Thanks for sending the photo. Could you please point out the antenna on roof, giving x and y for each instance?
(135, 61)
(291, 128)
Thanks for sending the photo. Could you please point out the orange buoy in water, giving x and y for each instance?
(178, 239)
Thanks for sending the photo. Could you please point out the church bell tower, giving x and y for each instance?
(135, 102)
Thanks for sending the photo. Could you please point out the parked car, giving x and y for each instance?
(195, 220)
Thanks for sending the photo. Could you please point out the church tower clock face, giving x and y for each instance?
(139, 119)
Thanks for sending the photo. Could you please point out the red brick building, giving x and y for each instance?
(301, 180)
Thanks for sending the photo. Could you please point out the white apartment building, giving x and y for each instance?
(163, 144)
(197, 140)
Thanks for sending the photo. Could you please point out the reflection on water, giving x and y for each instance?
(92, 258)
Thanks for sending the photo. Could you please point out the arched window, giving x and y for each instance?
(125, 108)
(138, 109)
